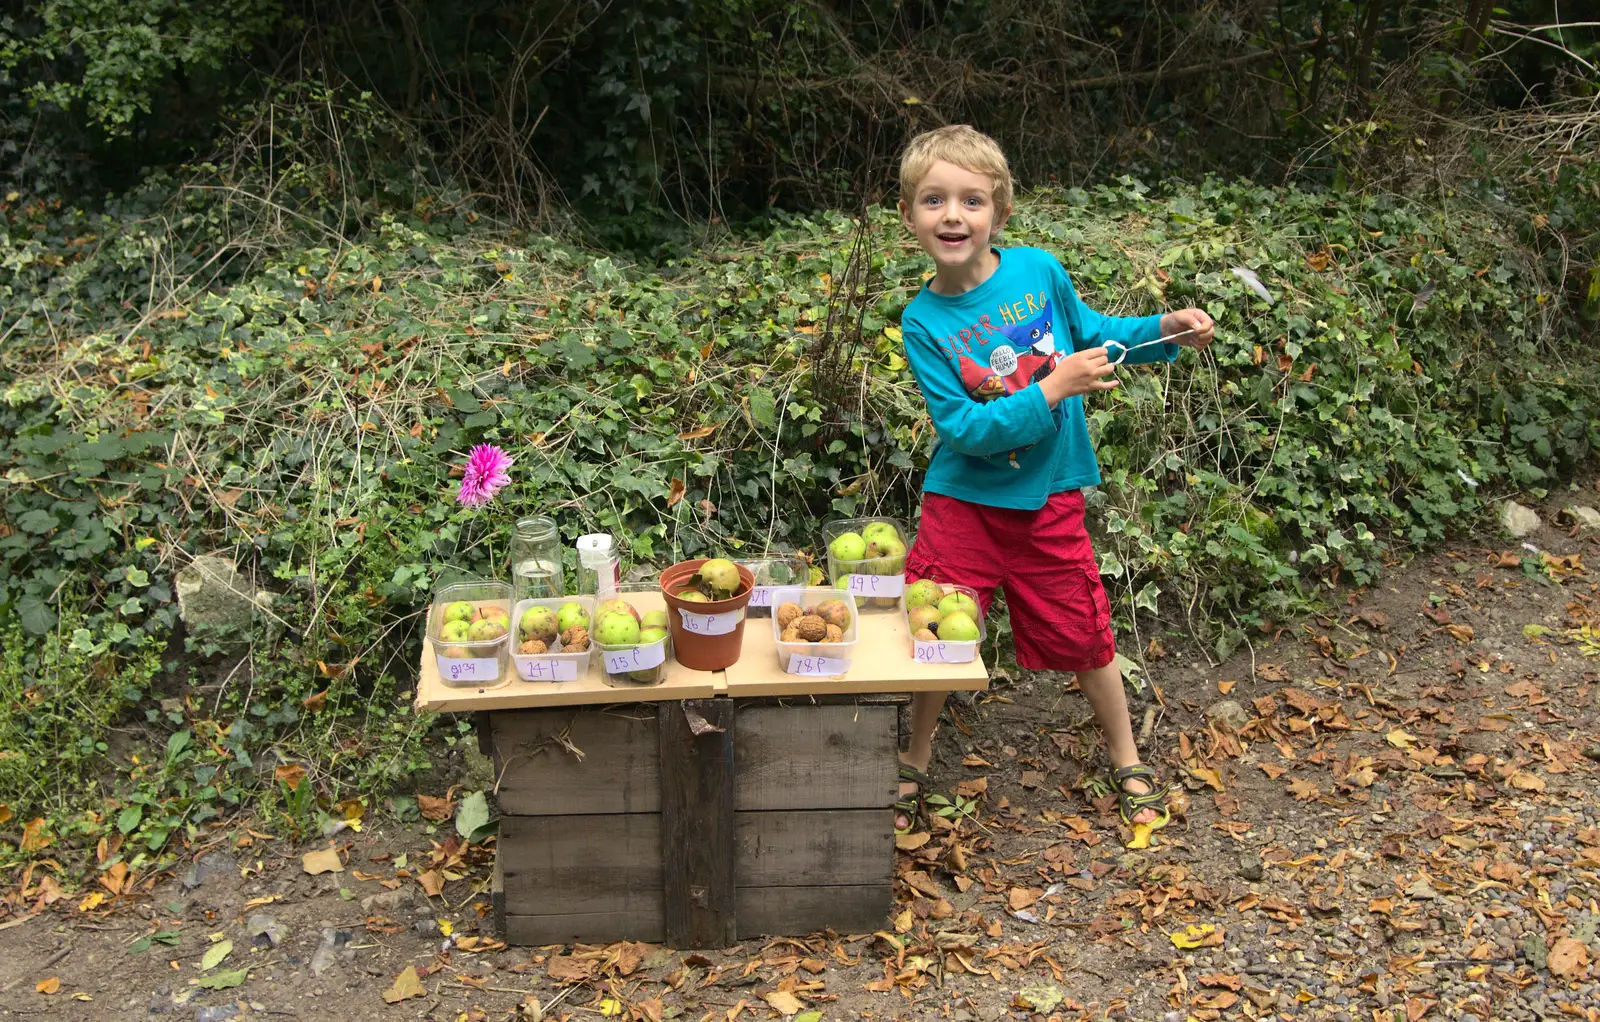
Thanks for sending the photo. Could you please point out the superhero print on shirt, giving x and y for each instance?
(1021, 355)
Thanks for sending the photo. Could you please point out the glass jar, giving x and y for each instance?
(536, 559)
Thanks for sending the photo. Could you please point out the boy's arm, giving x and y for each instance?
(978, 429)
(1090, 329)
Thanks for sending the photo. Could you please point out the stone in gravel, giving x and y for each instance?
(1535, 950)
(1519, 521)
(1250, 866)
(264, 930)
(218, 1013)
(333, 941)
(388, 901)
(1587, 518)
(1229, 712)
(207, 866)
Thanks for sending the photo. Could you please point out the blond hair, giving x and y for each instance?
(962, 145)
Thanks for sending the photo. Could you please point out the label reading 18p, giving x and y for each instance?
(824, 666)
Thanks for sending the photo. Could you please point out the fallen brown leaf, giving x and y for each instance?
(407, 984)
(323, 860)
(1568, 958)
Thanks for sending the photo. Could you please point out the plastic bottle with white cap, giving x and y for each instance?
(598, 566)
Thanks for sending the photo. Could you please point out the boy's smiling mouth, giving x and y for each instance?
(951, 237)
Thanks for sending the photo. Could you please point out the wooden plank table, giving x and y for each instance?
(712, 807)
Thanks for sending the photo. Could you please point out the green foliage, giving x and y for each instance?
(303, 413)
(112, 55)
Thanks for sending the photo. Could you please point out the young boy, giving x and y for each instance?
(1004, 350)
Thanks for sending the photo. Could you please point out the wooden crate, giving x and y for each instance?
(623, 823)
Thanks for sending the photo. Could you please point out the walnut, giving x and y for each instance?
(575, 639)
(835, 612)
(790, 635)
(835, 634)
(533, 647)
(810, 628)
(787, 612)
(926, 635)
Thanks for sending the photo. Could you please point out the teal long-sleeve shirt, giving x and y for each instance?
(978, 358)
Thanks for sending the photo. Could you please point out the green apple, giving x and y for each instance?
(484, 630)
(693, 596)
(959, 603)
(617, 629)
(925, 616)
(923, 593)
(655, 619)
(720, 574)
(454, 631)
(842, 582)
(653, 634)
(539, 623)
(848, 546)
(499, 614)
(460, 610)
(572, 615)
(616, 606)
(876, 530)
(958, 626)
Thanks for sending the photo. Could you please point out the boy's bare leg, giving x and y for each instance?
(925, 707)
(1103, 688)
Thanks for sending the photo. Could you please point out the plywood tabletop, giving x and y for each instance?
(881, 663)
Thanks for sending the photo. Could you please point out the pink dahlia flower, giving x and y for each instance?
(488, 469)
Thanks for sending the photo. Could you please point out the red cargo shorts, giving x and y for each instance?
(1060, 617)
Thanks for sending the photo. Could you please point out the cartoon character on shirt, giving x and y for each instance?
(1029, 357)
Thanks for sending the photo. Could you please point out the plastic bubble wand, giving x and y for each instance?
(1127, 348)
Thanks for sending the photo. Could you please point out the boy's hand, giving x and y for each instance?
(1190, 319)
(1078, 373)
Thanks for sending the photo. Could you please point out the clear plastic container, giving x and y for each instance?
(464, 661)
(876, 581)
(642, 663)
(599, 568)
(558, 662)
(772, 573)
(944, 651)
(536, 559)
(821, 659)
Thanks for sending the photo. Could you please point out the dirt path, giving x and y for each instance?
(1392, 815)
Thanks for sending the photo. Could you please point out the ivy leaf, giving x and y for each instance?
(37, 617)
(472, 816)
(223, 980)
(763, 407)
(36, 521)
(215, 954)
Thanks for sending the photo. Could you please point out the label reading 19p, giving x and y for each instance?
(943, 652)
(711, 624)
(877, 585)
(635, 658)
(547, 669)
(824, 666)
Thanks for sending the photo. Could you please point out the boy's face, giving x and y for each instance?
(953, 215)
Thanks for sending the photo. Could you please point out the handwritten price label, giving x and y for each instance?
(635, 658)
(761, 596)
(877, 585)
(711, 624)
(825, 666)
(547, 669)
(469, 670)
(925, 652)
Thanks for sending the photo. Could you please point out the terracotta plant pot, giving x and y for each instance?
(697, 649)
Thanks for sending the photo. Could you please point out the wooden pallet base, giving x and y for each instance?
(696, 823)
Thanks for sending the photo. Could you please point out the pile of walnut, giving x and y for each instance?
(822, 622)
